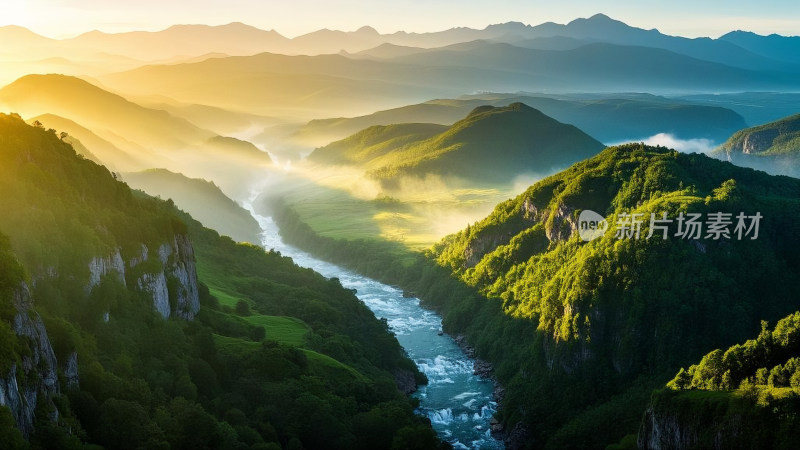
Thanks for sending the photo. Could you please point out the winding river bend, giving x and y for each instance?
(458, 403)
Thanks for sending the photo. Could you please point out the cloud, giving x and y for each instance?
(682, 145)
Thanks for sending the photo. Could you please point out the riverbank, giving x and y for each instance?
(460, 404)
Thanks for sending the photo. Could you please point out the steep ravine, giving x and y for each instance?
(461, 396)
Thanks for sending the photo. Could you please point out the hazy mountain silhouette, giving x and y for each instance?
(491, 144)
(610, 119)
(774, 46)
(100, 150)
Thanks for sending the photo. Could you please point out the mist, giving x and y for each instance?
(697, 145)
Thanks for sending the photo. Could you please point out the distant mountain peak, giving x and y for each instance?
(368, 30)
(508, 26)
(513, 107)
(601, 16)
(598, 19)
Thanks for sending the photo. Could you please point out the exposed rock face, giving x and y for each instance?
(759, 141)
(663, 431)
(480, 246)
(178, 264)
(100, 267)
(71, 370)
(136, 260)
(405, 381)
(561, 224)
(685, 428)
(185, 271)
(37, 369)
(156, 285)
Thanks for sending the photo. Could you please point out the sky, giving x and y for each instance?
(690, 18)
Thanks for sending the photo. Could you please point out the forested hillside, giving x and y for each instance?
(773, 147)
(490, 145)
(109, 337)
(746, 396)
(581, 332)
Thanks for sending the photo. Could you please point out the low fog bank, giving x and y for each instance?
(669, 140)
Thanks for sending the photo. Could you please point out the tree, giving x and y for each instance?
(63, 135)
(9, 433)
(242, 308)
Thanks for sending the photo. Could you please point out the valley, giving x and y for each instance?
(224, 237)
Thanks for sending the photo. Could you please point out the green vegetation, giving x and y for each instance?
(307, 365)
(200, 198)
(773, 147)
(286, 330)
(746, 396)
(611, 118)
(374, 142)
(581, 332)
(510, 140)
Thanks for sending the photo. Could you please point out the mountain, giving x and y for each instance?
(743, 396)
(200, 198)
(183, 41)
(324, 85)
(288, 86)
(601, 28)
(374, 142)
(101, 151)
(783, 48)
(126, 324)
(387, 51)
(609, 118)
(221, 121)
(579, 333)
(596, 324)
(141, 137)
(126, 124)
(773, 147)
(491, 145)
(603, 66)
(757, 108)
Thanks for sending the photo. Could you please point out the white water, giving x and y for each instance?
(458, 403)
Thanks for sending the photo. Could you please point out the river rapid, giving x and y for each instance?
(458, 403)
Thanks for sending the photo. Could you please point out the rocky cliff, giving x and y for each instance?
(173, 285)
(677, 422)
(35, 373)
(773, 147)
(174, 290)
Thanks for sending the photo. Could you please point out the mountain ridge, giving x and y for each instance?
(489, 144)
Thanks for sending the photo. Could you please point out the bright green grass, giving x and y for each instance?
(235, 346)
(330, 368)
(225, 298)
(320, 364)
(286, 330)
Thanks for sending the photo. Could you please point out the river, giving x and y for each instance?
(458, 403)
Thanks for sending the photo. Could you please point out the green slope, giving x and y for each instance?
(490, 145)
(606, 117)
(104, 151)
(773, 147)
(100, 111)
(374, 142)
(744, 396)
(145, 137)
(611, 311)
(200, 198)
(312, 366)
